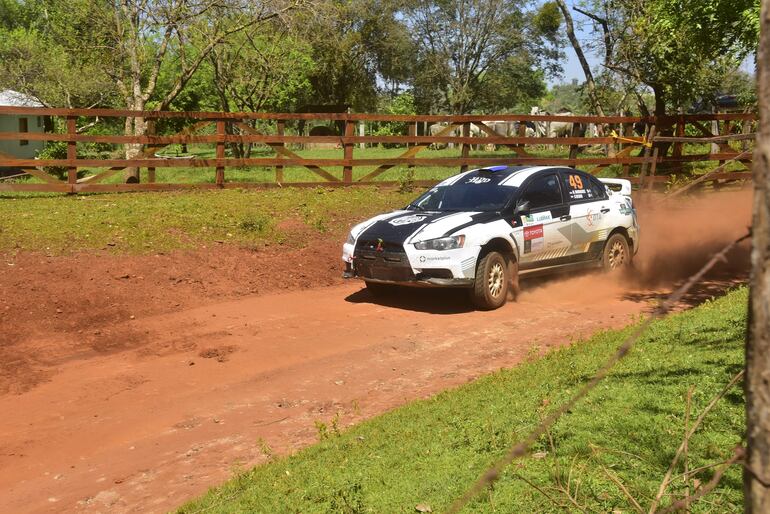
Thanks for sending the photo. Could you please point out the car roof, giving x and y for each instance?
(512, 176)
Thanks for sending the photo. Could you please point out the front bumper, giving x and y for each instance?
(411, 267)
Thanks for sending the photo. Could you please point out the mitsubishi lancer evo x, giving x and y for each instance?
(483, 228)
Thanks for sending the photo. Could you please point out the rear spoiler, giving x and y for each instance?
(618, 185)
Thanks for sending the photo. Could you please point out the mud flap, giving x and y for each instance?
(513, 277)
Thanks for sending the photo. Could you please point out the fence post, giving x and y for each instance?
(362, 133)
(628, 131)
(151, 169)
(412, 133)
(72, 152)
(347, 170)
(679, 133)
(465, 150)
(573, 149)
(220, 174)
(280, 129)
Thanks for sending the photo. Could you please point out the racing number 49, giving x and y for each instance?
(575, 182)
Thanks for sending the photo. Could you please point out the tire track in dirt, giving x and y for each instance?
(144, 429)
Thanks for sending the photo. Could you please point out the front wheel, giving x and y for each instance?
(490, 289)
(617, 254)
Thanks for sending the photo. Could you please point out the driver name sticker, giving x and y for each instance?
(533, 238)
(407, 220)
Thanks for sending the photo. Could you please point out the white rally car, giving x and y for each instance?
(483, 228)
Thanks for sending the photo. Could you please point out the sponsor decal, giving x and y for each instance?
(592, 218)
(429, 259)
(533, 232)
(533, 219)
(407, 220)
(533, 238)
(478, 180)
(625, 210)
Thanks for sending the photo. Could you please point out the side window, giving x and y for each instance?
(543, 191)
(598, 189)
(582, 187)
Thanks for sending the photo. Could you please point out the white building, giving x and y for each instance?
(22, 149)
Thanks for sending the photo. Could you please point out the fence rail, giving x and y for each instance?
(647, 148)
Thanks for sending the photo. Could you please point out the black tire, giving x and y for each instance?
(378, 289)
(490, 289)
(616, 254)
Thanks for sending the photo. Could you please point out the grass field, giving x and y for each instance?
(628, 428)
(150, 222)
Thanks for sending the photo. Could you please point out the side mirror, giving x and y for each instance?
(521, 208)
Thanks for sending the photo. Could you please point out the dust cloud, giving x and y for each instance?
(677, 239)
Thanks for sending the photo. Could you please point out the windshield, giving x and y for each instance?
(468, 196)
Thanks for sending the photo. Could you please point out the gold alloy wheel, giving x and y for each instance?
(617, 256)
(496, 277)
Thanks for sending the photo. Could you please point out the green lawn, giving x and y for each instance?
(429, 452)
(149, 222)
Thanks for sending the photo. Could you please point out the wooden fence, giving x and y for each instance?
(658, 147)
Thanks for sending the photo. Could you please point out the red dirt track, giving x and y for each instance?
(131, 384)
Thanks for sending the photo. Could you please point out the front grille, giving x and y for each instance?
(382, 261)
(377, 271)
(385, 246)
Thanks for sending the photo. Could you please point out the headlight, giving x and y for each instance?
(444, 243)
(351, 240)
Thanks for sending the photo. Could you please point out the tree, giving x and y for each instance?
(676, 49)
(54, 54)
(462, 43)
(144, 33)
(593, 97)
(261, 70)
(127, 43)
(757, 470)
(358, 46)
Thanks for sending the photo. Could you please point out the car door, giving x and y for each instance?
(542, 230)
(588, 208)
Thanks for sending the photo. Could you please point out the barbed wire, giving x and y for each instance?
(521, 448)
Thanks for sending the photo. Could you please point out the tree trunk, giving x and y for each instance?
(590, 84)
(757, 383)
(662, 128)
(134, 127)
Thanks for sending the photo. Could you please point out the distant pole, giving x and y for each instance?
(756, 475)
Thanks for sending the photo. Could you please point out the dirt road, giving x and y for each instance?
(136, 407)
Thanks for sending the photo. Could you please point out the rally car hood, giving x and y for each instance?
(414, 226)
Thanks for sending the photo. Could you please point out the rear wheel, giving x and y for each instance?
(490, 289)
(617, 254)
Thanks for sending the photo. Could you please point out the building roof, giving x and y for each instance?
(10, 98)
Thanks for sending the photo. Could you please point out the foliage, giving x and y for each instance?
(569, 97)
(680, 50)
(401, 104)
(54, 51)
(262, 71)
(430, 451)
(462, 43)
